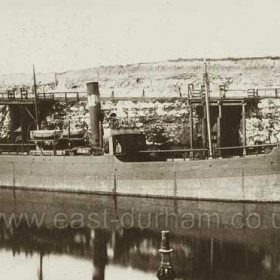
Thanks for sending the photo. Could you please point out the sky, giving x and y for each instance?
(60, 35)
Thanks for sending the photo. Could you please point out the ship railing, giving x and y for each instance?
(184, 154)
(248, 149)
(39, 146)
(8, 148)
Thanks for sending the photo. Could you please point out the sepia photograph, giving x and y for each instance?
(139, 140)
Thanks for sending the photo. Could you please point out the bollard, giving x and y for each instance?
(166, 271)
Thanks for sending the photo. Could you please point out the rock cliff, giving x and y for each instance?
(167, 78)
(163, 121)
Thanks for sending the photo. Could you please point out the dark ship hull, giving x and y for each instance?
(253, 178)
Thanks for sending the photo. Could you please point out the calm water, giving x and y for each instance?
(105, 237)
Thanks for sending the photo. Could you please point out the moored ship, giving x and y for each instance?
(121, 163)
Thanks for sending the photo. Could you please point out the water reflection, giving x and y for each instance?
(115, 251)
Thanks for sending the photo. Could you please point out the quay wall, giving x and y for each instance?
(248, 179)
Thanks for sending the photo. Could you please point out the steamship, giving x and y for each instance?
(121, 163)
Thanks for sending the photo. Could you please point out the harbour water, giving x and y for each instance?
(50, 235)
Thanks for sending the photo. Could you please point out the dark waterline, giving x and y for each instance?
(105, 237)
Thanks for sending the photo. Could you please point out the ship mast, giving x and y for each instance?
(35, 99)
(207, 104)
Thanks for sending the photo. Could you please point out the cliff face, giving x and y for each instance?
(166, 78)
(167, 122)
(164, 122)
(171, 77)
(264, 127)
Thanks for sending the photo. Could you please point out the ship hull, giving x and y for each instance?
(237, 179)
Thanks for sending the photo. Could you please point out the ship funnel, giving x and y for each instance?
(95, 114)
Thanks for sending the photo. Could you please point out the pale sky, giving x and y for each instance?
(59, 35)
